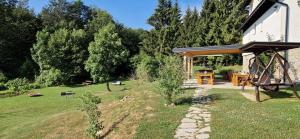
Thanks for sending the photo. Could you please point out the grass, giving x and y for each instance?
(234, 116)
(132, 110)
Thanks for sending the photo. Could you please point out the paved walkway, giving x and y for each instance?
(196, 124)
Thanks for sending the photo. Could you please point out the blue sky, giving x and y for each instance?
(132, 13)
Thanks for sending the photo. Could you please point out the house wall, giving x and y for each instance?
(271, 27)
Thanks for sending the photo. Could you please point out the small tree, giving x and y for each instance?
(106, 52)
(89, 104)
(171, 78)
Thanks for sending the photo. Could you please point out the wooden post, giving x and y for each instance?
(192, 67)
(184, 64)
(257, 93)
(188, 68)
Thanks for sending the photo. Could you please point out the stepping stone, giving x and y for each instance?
(188, 130)
(195, 109)
(188, 125)
(205, 115)
(206, 120)
(190, 115)
(202, 136)
(188, 120)
(205, 129)
(197, 117)
(196, 112)
(196, 122)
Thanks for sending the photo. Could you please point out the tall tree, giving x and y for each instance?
(162, 15)
(17, 34)
(61, 51)
(64, 14)
(165, 20)
(175, 26)
(105, 53)
(189, 37)
(54, 15)
(219, 24)
(98, 20)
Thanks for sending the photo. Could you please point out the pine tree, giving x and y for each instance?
(176, 25)
(189, 37)
(166, 22)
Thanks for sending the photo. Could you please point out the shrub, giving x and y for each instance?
(50, 77)
(2, 86)
(224, 70)
(171, 78)
(2, 77)
(90, 102)
(147, 68)
(35, 85)
(18, 85)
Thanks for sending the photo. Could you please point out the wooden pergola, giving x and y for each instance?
(260, 75)
(191, 52)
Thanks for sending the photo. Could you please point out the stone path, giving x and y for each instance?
(196, 124)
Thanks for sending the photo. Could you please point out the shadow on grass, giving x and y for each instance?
(114, 125)
(277, 95)
(190, 100)
(184, 101)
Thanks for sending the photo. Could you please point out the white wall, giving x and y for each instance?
(271, 27)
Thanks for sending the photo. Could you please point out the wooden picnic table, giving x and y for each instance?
(202, 76)
(239, 78)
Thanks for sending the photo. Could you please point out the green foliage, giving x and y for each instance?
(18, 26)
(51, 77)
(18, 85)
(225, 69)
(63, 14)
(166, 22)
(2, 77)
(28, 69)
(2, 86)
(63, 51)
(131, 40)
(147, 68)
(171, 76)
(89, 104)
(98, 20)
(105, 54)
(189, 35)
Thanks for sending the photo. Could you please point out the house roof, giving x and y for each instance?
(262, 8)
(208, 50)
(258, 47)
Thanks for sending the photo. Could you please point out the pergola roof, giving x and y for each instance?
(208, 50)
(252, 47)
(258, 47)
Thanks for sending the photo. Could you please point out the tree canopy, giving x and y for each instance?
(105, 53)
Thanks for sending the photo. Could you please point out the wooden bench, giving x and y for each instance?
(87, 82)
(201, 76)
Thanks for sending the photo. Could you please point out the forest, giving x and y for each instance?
(69, 42)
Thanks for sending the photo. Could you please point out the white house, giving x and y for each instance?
(270, 21)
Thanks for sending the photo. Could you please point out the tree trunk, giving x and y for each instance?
(107, 86)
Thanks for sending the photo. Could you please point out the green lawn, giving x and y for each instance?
(234, 116)
(136, 110)
(141, 115)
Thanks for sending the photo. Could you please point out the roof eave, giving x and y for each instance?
(260, 10)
